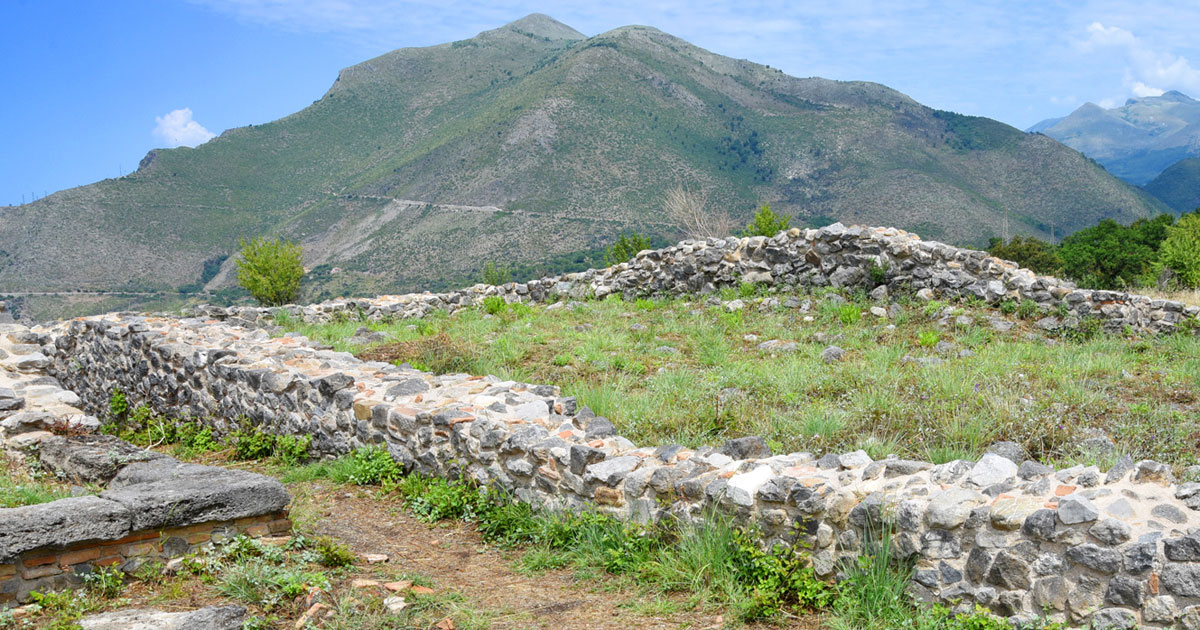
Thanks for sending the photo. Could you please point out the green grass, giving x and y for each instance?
(1020, 385)
(21, 486)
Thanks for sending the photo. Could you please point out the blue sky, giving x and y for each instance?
(93, 85)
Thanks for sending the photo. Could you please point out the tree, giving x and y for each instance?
(271, 270)
(766, 223)
(1180, 250)
(1029, 252)
(495, 275)
(689, 212)
(1109, 255)
(625, 249)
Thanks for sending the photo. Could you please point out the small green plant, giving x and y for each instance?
(251, 442)
(1027, 309)
(749, 289)
(933, 308)
(371, 466)
(332, 554)
(106, 582)
(643, 304)
(849, 314)
(1062, 310)
(291, 450)
(1008, 307)
(625, 248)
(928, 338)
(494, 305)
(878, 273)
(766, 223)
(562, 360)
(118, 405)
(494, 274)
(271, 270)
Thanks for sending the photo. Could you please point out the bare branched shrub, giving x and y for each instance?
(689, 211)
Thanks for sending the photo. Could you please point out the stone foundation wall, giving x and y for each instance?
(54, 569)
(1108, 548)
(838, 256)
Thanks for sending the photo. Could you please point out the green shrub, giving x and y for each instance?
(878, 273)
(849, 314)
(251, 442)
(625, 248)
(291, 450)
(371, 466)
(118, 405)
(106, 582)
(1109, 255)
(1008, 307)
(494, 274)
(270, 270)
(1030, 253)
(332, 554)
(494, 305)
(1180, 251)
(1027, 309)
(766, 223)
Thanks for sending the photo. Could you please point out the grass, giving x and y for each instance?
(21, 485)
(714, 383)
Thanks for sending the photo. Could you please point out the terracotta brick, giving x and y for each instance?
(280, 526)
(257, 530)
(108, 561)
(135, 537)
(140, 549)
(38, 561)
(198, 538)
(80, 555)
(40, 572)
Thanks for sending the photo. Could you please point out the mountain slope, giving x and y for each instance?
(1135, 142)
(531, 143)
(1179, 185)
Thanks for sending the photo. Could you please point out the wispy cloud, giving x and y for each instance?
(1148, 71)
(178, 129)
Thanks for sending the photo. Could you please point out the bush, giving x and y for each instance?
(1109, 255)
(494, 305)
(625, 249)
(494, 274)
(1029, 252)
(271, 270)
(766, 223)
(1180, 250)
(372, 466)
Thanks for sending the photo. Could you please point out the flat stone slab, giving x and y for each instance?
(210, 618)
(60, 523)
(91, 458)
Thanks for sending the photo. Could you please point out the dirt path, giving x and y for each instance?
(456, 558)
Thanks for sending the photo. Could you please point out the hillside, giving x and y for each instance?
(533, 145)
(1178, 186)
(1135, 142)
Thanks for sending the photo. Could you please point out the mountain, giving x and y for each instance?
(535, 146)
(1178, 186)
(1135, 142)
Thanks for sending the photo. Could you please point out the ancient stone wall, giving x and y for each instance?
(838, 256)
(1111, 548)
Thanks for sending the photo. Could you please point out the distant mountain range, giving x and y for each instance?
(534, 145)
(1135, 142)
(1179, 185)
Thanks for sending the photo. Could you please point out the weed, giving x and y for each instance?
(1008, 307)
(332, 554)
(1027, 309)
(494, 305)
(370, 466)
(106, 582)
(849, 314)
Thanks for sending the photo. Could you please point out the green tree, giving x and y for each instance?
(1029, 252)
(1180, 250)
(766, 223)
(625, 248)
(495, 275)
(1109, 255)
(271, 270)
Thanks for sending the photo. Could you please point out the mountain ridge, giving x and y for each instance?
(575, 141)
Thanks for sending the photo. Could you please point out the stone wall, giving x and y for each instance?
(1110, 548)
(835, 256)
(149, 505)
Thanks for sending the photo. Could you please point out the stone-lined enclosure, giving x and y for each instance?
(148, 506)
(1110, 548)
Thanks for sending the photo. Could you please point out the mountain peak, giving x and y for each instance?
(542, 25)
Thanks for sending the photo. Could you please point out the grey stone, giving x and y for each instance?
(166, 493)
(1160, 609)
(832, 354)
(1111, 532)
(1008, 450)
(1139, 557)
(1124, 591)
(1119, 470)
(1106, 561)
(210, 618)
(1040, 524)
(91, 458)
(61, 523)
(1075, 509)
(1184, 549)
(950, 509)
(992, 469)
(1169, 513)
(1009, 571)
(407, 387)
(582, 456)
(1114, 619)
(1050, 593)
(903, 467)
(751, 447)
(611, 471)
(857, 459)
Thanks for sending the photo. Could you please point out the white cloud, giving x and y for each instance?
(178, 129)
(1148, 71)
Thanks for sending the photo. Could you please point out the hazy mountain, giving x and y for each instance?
(1135, 142)
(1179, 185)
(531, 144)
